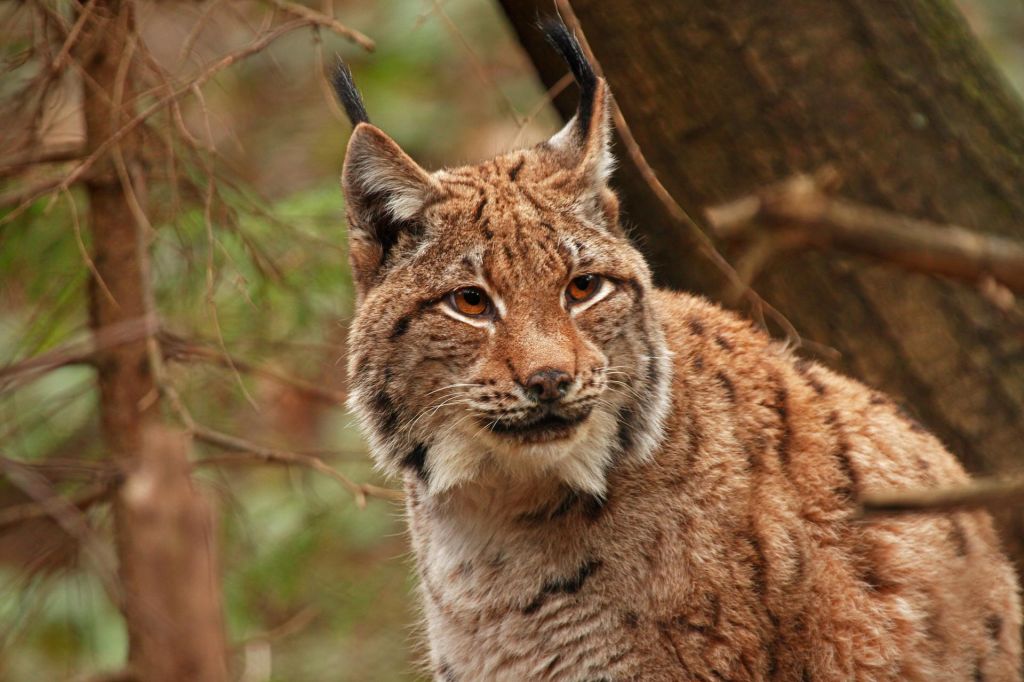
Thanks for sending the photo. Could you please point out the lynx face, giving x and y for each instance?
(502, 331)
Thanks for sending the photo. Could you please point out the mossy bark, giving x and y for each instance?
(725, 97)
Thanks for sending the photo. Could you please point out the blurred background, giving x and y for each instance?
(315, 585)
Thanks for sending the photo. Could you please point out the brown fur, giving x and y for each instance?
(697, 524)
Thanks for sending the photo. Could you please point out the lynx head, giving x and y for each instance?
(503, 332)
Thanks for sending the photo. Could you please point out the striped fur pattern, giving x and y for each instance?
(694, 522)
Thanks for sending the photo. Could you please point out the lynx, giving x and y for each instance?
(609, 481)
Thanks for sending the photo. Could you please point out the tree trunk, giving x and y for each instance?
(119, 294)
(725, 97)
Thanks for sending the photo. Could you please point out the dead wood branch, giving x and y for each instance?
(16, 163)
(69, 518)
(80, 500)
(177, 348)
(984, 492)
(802, 213)
(325, 21)
(248, 452)
(260, 43)
(76, 352)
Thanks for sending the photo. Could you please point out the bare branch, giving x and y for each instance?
(325, 21)
(177, 348)
(15, 163)
(24, 199)
(247, 452)
(801, 213)
(68, 517)
(986, 492)
(81, 500)
(76, 352)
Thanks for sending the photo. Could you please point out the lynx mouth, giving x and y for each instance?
(542, 428)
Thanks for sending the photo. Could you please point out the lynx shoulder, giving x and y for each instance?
(607, 481)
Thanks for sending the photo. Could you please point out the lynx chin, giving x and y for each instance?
(609, 481)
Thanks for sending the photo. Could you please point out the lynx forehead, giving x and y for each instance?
(606, 481)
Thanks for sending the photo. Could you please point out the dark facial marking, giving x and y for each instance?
(416, 460)
(401, 327)
(723, 342)
(696, 326)
(385, 411)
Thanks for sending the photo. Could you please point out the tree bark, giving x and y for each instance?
(168, 640)
(170, 526)
(727, 97)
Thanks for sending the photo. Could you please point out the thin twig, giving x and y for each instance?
(71, 520)
(80, 351)
(247, 452)
(16, 163)
(177, 348)
(257, 45)
(325, 21)
(81, 500)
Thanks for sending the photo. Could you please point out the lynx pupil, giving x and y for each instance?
(470, 301)
(583, 287)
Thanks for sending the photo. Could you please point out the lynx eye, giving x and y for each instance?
(469, 301)
(583, 287)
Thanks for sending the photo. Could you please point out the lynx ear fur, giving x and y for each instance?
(385, 189)
(585, 141)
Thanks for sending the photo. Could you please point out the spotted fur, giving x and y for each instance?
(696, 523)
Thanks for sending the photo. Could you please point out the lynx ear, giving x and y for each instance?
(385, 190)
(585, 141)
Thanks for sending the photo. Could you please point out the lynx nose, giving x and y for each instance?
(548, 385)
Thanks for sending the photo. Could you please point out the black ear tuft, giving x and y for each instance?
(565, 42)
(349, 95)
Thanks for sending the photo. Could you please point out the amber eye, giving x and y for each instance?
(583, 287)
(469, 301)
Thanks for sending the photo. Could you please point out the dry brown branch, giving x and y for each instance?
(68, 517)
(26, 198)
(325, 21)
(81, 500)
(247, 452)
(679, 214)
(802, 213)
(76, 352)
(16, 163)
(177, 348)
(985, 492)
